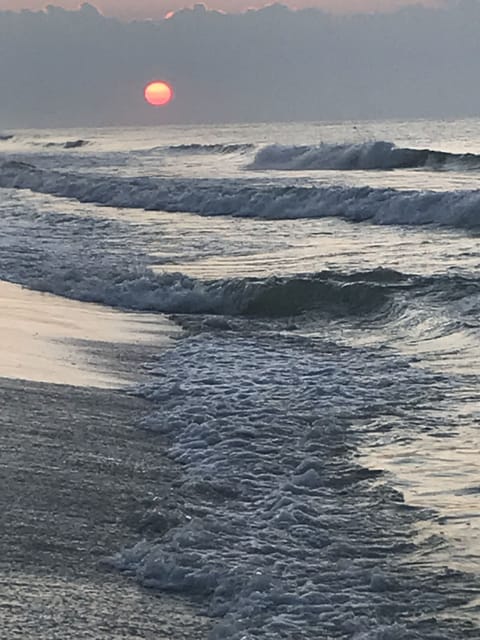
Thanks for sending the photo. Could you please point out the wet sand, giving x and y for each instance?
(47, 338)
(76, 477)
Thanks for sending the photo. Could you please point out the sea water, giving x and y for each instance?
(323, 403)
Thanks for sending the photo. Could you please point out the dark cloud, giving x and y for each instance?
(67, 68)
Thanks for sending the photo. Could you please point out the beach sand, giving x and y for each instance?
(77, 474)
(47, 338)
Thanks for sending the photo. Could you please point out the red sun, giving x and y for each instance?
(158, 93)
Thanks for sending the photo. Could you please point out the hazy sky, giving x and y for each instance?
(158, 8)
(68, 68)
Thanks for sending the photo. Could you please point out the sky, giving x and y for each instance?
(141, 9)
(79, 68)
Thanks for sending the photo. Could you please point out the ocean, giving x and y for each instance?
(322, 403)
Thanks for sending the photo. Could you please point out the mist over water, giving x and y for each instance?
(323, 401)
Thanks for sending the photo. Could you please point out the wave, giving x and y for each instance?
(6, 136)
(69, 144)
(210, 197)
(379, 155)
(324, 293)
(96, 259)
(329, 294)
(209, 148)
(277, 297)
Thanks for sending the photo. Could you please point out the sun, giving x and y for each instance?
(158, 93)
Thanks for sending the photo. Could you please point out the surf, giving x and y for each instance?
(366, 156)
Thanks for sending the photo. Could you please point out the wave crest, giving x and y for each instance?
(327, 293)
(243, 198)
(379, 155)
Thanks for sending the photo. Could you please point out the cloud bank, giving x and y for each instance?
(67, 68)
(156, 9)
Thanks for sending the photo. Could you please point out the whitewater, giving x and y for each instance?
(322, 403)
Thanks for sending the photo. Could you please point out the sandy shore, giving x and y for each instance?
(47, 338)
(76, 477)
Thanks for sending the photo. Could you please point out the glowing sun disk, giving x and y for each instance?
(158, 93)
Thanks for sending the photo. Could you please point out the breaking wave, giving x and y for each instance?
(277, 297)
(142, 290)
(378, 155)
(83, 274)
(260, 200)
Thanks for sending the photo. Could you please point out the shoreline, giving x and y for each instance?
(47, 338)
(77, 477)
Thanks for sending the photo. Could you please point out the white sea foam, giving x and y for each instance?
(278, 530)
(261, 200)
